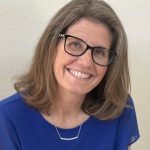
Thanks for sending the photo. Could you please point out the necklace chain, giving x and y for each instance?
(71, 138)
(66, 138)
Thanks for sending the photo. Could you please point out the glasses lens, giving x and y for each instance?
(74, 46)
(102, 56)
(77, 47)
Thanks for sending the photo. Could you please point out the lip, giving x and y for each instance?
(90, 75)
(85, 72)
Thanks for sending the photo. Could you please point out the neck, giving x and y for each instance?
(68, 106)
(66, 111)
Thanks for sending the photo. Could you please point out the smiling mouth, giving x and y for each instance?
(79, 74)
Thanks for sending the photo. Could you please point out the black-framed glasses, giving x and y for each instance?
(77, 47)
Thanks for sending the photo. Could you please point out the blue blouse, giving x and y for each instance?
(24, 128)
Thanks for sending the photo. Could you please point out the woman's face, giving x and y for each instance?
(79, 75)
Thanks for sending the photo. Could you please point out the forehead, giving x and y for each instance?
(93, 32)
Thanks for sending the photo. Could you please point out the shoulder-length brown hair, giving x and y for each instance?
(38, 86)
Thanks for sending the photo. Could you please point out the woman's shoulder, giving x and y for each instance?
(129, 108)
(130, 101)
(11, 102)
(127, 128)
(13, 107)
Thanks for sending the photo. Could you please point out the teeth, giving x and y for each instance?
(79, 74)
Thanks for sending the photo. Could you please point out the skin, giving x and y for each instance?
(66, 111)
(94, 34)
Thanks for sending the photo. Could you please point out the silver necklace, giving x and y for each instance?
(66, 138)
(71, 138)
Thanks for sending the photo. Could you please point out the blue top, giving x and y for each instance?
(24, 128)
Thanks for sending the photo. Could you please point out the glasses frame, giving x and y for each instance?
(87, 48)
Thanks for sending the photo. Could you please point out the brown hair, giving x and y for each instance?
(38, 86)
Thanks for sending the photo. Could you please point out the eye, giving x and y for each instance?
(75, 44)
(101, 52)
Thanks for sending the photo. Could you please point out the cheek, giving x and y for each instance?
(101, 73)
(61, 60)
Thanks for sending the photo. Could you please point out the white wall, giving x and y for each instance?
(23, 21)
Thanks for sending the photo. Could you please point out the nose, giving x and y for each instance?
(86, 58)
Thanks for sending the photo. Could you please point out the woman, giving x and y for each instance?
(75, 95)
